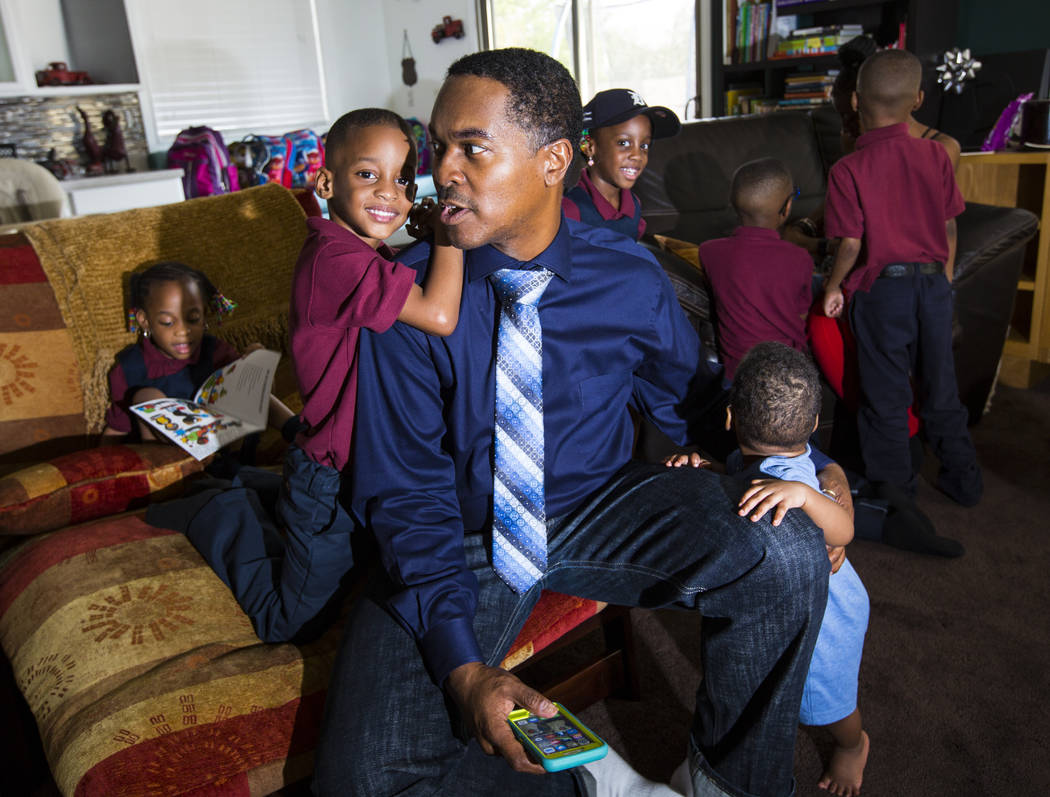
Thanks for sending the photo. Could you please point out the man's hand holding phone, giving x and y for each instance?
(485, 696)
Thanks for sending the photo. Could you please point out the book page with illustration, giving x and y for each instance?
(233, 402)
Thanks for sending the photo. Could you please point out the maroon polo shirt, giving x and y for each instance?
(158, 365)
(895, 193)
(762, 286)
(340, 285)
(602, 205)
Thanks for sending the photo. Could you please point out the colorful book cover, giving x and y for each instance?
(233, 402)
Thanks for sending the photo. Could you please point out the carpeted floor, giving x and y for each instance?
(955, 681)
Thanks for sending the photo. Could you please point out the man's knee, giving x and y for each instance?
(796, 563)
(345, 780)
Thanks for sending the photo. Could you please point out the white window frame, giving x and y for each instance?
(20, 82)
(697, 106)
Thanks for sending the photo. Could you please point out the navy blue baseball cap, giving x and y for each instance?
(613, 106)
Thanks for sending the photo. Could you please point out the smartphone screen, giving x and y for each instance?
(553, 734)
(559, 741)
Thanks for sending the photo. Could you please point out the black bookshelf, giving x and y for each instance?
(930, 30)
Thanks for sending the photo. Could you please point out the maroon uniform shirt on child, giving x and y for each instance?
(340, 285)
(894, 192)
(762, 288)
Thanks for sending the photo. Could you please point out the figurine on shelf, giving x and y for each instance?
(114, 151)
(91, 147)
(60, 168)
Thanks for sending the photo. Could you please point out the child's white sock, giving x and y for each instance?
(613, 777)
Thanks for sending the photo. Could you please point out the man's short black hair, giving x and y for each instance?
(544, 99)
(775, 397)
(366, 117)
(758, 183)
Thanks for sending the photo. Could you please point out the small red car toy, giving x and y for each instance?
(448, 27)
(58, 74)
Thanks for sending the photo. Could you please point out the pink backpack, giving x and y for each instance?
(202, 155)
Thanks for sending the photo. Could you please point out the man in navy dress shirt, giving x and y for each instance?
(417, 699)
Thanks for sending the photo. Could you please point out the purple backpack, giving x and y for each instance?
(205, 162)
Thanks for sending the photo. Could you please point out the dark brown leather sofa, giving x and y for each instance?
(685, 194)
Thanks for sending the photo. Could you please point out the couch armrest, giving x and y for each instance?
(690, 286)
(985, 232)
(990, 255)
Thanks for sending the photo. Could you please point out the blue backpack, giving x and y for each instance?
(272, 163)
(305, 157)
(250, 156)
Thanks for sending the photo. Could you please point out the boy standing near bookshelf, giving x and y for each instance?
(896, 196)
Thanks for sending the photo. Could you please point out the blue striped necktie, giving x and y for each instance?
(519, 527)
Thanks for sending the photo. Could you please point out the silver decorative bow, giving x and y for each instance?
(958, 67)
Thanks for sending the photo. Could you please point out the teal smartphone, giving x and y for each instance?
(557, 742)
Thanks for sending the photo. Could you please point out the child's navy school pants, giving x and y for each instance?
(903, 327)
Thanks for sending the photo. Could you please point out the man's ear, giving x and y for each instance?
(853, 101)
(787, 208)
(324, 183)
(729, 419)
(918, 101)
(816, 422)
(556, 162)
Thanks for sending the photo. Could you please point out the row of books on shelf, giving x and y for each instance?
(815, 41)
(757, 104)
(810, 85)
(749, 33)
(755, 33)
(801, 91)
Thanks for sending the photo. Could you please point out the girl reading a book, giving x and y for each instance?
(174, 354)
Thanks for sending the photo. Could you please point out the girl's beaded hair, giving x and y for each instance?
(141, 283)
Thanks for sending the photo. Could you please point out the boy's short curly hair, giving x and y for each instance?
(775, 397)
(341, 129)
(544, 99)
(755, 181)
(889, 79)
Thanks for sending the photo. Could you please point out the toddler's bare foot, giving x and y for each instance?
(846, 769)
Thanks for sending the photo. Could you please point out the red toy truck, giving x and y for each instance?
(448, 27)
(58, 74)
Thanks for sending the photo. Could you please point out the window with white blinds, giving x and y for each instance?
(229, 64)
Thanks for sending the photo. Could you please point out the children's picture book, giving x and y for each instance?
(233, 402)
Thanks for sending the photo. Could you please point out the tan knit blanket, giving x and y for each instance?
(246, 242)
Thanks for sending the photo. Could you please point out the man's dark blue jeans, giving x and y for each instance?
(652, 537)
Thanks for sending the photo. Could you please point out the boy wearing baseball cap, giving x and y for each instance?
(619, 128)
